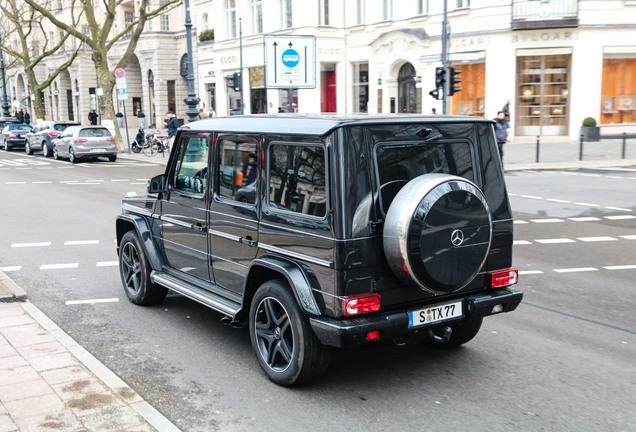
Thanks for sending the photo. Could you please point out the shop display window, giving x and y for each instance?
(618, 101)
(471, 99)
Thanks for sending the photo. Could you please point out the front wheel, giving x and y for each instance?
(134, 270)
(285, 345)
(461, 333)
(56, 154)
(27, 148)
(45, 150)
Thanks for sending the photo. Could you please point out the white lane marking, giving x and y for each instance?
(620, 217)
(107, 263)
(620, 267)
(575, 270)
(530, 196)
(629, 237)
(521, 242)
(529, 272)
(81, 242)
(94, 180)
(42, 182)
(45, 168)
(14, 183)
(584, 219)
(558, 200)
(68, 181)
(21, 245)
(11, 268)
(71, 167)
(23, 168)
(520, 222)
(138, 183)
(93, 301)
(618, 208)
(58, 266)
(553, 220)
(512, 194)
(555, 241)
(590, 175)
(84, 183)
(120, 180)
(587, 204)
(597, 239)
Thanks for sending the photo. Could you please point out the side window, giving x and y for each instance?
(191, 172)
(296, 178)
(237, 168)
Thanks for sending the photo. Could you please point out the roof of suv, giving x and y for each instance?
(314, 124)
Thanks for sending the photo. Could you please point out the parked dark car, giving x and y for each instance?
(85, 142)
(327, 231)
(43, 135)
(14, 135)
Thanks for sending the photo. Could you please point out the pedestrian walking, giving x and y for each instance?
(20, 116)
(92, 117)
(173, 124)
(27, 118)
(202, 114)
(211, 113)
(501, 132)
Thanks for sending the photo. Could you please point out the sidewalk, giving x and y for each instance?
(49, 382)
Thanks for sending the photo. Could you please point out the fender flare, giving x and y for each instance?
(300, 279)
(127, 222)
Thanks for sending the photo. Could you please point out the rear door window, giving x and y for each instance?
(237, 179)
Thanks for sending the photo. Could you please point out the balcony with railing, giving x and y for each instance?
(535, 14)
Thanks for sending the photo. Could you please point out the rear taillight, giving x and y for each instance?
(12, 135)
(54, 134)
(502, 278)
(80, 140)
(111, 139)
(361, 304)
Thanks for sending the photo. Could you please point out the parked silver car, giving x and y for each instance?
(85, 142)
(42, 137)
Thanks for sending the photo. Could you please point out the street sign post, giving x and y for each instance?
(120, 82)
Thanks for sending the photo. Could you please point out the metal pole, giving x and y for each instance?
(624, 144)
(445, 63)
(192, 100)
(537, 149)
(123, 103)
(5, 101)
(241, 63)
(581, 149)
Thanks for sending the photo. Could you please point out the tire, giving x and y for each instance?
(6, 146)
(71, 156)
(56, 155)
(287, 349)
(112, 158)
(134, 270)
(135, 147)
(27, 148)
(462, 333)
(437, 233)
(45, 150)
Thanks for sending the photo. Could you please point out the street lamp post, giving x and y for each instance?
(5, 101)
(192, 100)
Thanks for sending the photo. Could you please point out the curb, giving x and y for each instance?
(10, 291)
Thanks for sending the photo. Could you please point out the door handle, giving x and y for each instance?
(248, 241)
(200, 228)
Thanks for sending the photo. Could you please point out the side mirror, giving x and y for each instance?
(156, 184)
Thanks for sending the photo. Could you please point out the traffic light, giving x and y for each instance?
(455, 79)
(440, 80)
(234, 81)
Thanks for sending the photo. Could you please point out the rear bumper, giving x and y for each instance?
(347, 332)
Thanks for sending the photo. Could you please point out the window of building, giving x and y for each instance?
(407, 91)
(360, 87)
(128, 20)
(205, 22)
(63, 46)
(618, 91)
(296, 179)
(165, 22)
(237, 168)
(257, 16)
(286, 13)
(471, 100)
(149, 23)
(387, 10)
(283, 96)
(462, 4)
(231, 19)
(422, 7)
(360, 12)
(324, 12)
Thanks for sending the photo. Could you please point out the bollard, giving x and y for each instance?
(537, 158)
(624, 144)
(581, 149)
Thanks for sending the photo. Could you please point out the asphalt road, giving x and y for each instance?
(565, 360)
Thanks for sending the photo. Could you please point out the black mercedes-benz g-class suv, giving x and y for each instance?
(327, 231)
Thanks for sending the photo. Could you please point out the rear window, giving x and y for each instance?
(61, 127)
(100, 132)
(21, 127)
(399, 163)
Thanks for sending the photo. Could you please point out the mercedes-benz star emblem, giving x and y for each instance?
(457, 238)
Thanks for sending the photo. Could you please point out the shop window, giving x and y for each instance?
(618, 101)
(471, 100)
(360, 87)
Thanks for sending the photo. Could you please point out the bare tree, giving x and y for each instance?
(100, 41)
(24, 25)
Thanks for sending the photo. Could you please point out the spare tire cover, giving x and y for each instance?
(437, 232)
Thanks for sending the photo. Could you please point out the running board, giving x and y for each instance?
(211, 300)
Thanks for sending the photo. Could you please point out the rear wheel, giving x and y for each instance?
(112, 158)
(134, 270)
(45, 150)
(27, 148)
(285, 345)
(461, 333)
(71, 155)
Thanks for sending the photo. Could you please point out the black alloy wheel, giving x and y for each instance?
(285, 345)
(134, 270)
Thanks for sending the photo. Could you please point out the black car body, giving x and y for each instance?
(14, 135)
(323, 232)
(43, 135)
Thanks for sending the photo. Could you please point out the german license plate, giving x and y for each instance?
(435, 314)
(97, 150)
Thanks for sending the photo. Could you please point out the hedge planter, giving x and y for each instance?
(591, 133)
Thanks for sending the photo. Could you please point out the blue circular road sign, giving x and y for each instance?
(291, 58)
